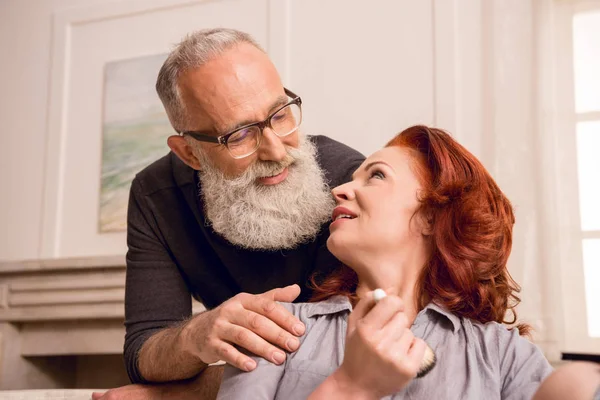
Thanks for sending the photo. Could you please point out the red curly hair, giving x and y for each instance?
(471, 234)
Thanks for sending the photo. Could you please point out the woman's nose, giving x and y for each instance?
(343, 192)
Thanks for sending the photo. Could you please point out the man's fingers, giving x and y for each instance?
(286, 294)
(232, 356)
(268, 330)
(277, 313)
(250, 341)
(97, 395)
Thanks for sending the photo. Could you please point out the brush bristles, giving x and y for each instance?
(428, 362)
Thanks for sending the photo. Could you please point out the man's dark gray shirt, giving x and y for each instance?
(174, 254)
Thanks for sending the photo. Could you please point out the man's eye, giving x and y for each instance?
(282, 114)
(377, 174)
(278, 116)
(240, 136)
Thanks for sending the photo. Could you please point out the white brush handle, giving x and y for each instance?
(378, 295)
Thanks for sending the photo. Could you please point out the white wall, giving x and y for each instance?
(25, 32)
(367, 74)
(364, 74)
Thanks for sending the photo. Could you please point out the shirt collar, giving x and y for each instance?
(181, 171)
(337, 304)
(435, 310)
(332, 305)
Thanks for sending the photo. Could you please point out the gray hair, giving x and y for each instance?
(193, 51)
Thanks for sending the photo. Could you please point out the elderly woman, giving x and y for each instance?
(423, 219)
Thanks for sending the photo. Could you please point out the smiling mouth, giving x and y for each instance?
(343, 216)
(342, 213)
(274, 179)
(275, 174)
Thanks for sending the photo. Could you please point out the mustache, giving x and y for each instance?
(261, 169)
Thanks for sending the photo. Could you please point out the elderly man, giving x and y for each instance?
(235, 216)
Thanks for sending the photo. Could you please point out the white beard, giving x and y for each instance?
(262, 217)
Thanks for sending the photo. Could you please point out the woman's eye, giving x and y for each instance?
(377, 174)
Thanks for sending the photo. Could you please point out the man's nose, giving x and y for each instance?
(271, 147)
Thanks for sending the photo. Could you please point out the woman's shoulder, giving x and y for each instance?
(522, 364)
(503, 341)
(486, 328)
(322, 344)
(492, 331)
(491, 334)
(321, 318)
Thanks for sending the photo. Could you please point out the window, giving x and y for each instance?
(570, 119)
(586, 71)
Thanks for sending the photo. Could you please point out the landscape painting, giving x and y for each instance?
(135, 129)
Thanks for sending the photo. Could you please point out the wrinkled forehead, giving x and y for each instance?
(239, 84)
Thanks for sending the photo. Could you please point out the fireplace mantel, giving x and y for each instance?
(55, 313)
(62, 289)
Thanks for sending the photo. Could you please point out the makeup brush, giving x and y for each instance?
(429, 359)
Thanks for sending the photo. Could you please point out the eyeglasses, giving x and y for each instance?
(244, 141)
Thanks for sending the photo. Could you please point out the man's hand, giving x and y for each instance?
(256, 323)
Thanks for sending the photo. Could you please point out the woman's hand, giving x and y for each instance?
(382, 355)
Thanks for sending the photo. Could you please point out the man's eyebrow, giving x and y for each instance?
(280, 101)
(371, 164)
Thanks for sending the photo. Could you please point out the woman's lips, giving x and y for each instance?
(341, 211)
(338, 222)
(274, 180)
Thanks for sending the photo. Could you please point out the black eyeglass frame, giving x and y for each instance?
(222, 139)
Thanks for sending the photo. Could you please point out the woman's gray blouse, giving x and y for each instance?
(474, 360)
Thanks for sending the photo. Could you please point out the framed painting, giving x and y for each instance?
(134, 131)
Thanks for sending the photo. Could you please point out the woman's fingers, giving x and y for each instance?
(383, 312)
(416, 352)
(360, 310)
(394, 329)
(404, 343)
(407, 353)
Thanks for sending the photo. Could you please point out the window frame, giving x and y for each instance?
(576, 337)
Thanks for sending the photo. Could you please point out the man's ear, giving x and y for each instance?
(180, 147)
